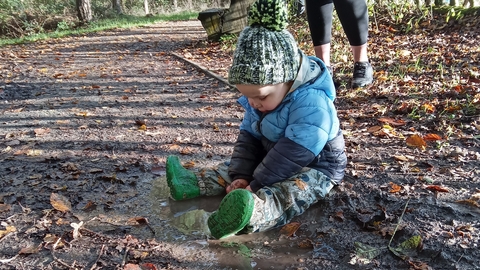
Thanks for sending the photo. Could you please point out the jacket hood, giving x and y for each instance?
(314, 73)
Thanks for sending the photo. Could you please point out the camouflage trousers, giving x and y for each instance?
(275, 205)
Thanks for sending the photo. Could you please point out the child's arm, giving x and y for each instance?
(247, 154)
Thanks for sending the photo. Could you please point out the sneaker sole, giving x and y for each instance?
(180, 190)
(233, 214)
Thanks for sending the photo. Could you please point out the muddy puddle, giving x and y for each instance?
(182, 224)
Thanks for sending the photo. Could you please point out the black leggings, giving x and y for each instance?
(353, 15)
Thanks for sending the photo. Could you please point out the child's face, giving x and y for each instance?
(264, 98)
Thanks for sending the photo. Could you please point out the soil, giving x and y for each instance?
(86, 123)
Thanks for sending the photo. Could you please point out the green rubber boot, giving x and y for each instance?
(232, 215)
(183, 183)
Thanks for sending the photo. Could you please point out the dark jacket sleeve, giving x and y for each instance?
(247, 154)
(283, 161)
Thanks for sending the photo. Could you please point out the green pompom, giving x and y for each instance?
(270, 14)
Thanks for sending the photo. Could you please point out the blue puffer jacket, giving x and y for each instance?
(303, 131)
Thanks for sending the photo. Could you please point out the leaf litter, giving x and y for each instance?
(414, 127)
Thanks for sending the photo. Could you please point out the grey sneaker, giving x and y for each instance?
(362, 74)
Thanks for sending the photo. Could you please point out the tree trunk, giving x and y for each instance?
(175, 5)
(438, 3)
(84, 10)
(145, 5)
(118, 6)
(453, 3)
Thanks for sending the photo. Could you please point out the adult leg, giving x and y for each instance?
(319, 16)
(353, 15)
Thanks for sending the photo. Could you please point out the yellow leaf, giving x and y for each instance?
(7, 230)
(401, 158)
(301, 185)
(416, 141)
(60, 202)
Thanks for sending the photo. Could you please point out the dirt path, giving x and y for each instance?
(93, 118)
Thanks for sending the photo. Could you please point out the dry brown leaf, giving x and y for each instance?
(432, 137)
(470, 202)
(7, 230)
(306, 243)
(437, 188)
(5, 207)
(394, 188)
(416, 141)
(30, 250)
(338, 216)
(374, 129)
(41, 131)
(60, 202)
(186, 151)
(290, 228)
(300, 184)
(392, 121)
(189, 165)
(137, 221)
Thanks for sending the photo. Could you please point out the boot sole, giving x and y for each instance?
(233, 214)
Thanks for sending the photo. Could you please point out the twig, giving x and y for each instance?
(124, 260)
(399, 221)
(98, 258)
(9, 260)
(57, 259)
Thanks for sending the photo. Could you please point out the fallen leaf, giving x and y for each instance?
(437, 188)
(60, 202)
(189, 165)
(338, 216)
(148, 266)
(30, 250)
(467, 202)
(290, 228)
(137, 221)
(408, 248)
(305, 243)
(432, 137)
(416, 141)
(367, 252)
(131, 266)
(374, 129)
(41, 131)
(300, 184)
(394, 188)
(401, 158)
(392, 121)
(8, 229)
(5, 207)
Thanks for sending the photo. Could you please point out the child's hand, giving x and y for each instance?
(239, 183)
(249, 188)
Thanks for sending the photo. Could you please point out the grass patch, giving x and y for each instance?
(123, 21)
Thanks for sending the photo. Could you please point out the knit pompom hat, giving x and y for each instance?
(266, 52)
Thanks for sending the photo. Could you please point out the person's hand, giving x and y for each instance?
(249, 188)
(239, 183)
